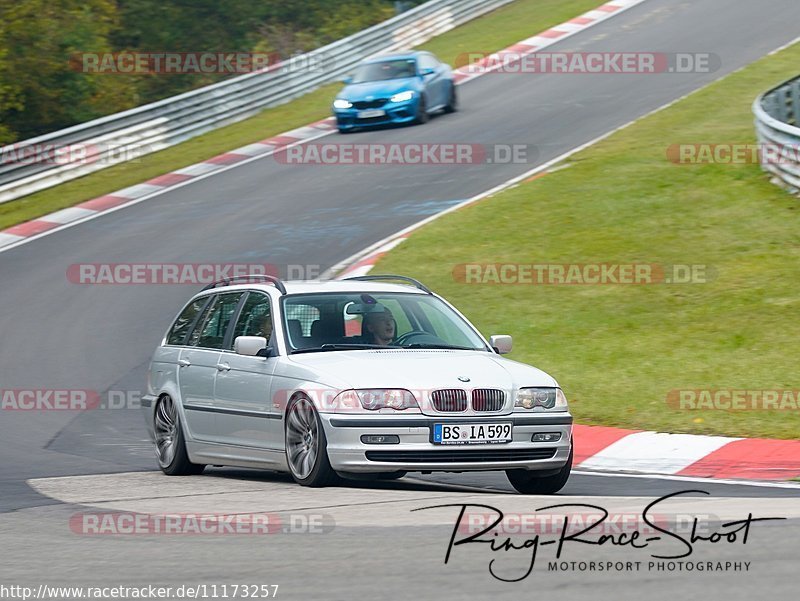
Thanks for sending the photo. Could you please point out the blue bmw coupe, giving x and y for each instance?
(397, 88)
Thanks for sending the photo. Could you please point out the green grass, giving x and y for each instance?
(618, 350)
(496, 30)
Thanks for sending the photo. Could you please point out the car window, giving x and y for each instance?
(255, 318)
(305, 314)
(210, 330)
(383, 70)
(401, 320)
(427, 61)
(442, 326)
(427, 320)
(184, 322)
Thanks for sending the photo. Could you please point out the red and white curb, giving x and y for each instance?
(614, 449)
(544, 39)
(42, 226)
(89, 209)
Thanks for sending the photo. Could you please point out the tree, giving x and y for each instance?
(38, 40)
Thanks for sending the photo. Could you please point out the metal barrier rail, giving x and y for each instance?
(117, 138)
(777, 122)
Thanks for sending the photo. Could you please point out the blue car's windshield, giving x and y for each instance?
(381, 71)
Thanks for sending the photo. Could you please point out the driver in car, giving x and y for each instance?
(378, 327)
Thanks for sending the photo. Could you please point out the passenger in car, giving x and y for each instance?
(378, 327)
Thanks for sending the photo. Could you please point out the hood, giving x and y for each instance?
(420, 369)
(378, 89)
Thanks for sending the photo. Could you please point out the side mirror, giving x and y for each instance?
(426, 71)
(347, 79)
(501, 343)
(250, 346)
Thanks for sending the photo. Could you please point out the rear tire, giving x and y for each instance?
(528, 483)
(306, 445)
(170, 443)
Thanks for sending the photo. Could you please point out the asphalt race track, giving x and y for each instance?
(60, 335)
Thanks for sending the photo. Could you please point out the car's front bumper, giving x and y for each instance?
(395, 113)
(416, 452)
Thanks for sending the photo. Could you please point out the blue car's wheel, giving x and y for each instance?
(452, 100)
(422, 111)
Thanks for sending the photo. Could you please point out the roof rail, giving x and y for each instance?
(228, 281)
(372, 278)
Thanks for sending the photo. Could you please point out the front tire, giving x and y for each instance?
(528, 483)
(422, 112)
(452, 101)
(307, 446)
(170, 443)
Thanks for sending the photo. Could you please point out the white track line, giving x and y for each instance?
(710, 481)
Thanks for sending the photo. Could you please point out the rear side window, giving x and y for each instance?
(210, 330)
(182, 325)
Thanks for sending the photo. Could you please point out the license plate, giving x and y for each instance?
(371, 113)
(471, 433)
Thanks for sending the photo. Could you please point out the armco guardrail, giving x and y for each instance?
(48, 160)
(777, 122)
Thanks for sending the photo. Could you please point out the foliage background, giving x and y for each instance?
(41, 92)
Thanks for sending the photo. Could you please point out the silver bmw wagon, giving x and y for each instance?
(372, 376)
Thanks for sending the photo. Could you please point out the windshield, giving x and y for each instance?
(395, 69)
(347, 321)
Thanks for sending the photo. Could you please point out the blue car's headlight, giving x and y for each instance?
(341, 103)
(402, 96)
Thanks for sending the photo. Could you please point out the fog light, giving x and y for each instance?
(380, 439)
(546, 437)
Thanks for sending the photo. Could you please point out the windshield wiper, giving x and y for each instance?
(440, 346)
(336, 347)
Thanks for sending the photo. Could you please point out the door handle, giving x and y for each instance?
(223, 367)
(184, 362)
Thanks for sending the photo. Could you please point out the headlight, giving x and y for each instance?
(374, 399)
(541, 399)
(402, 96)
(341, 103)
